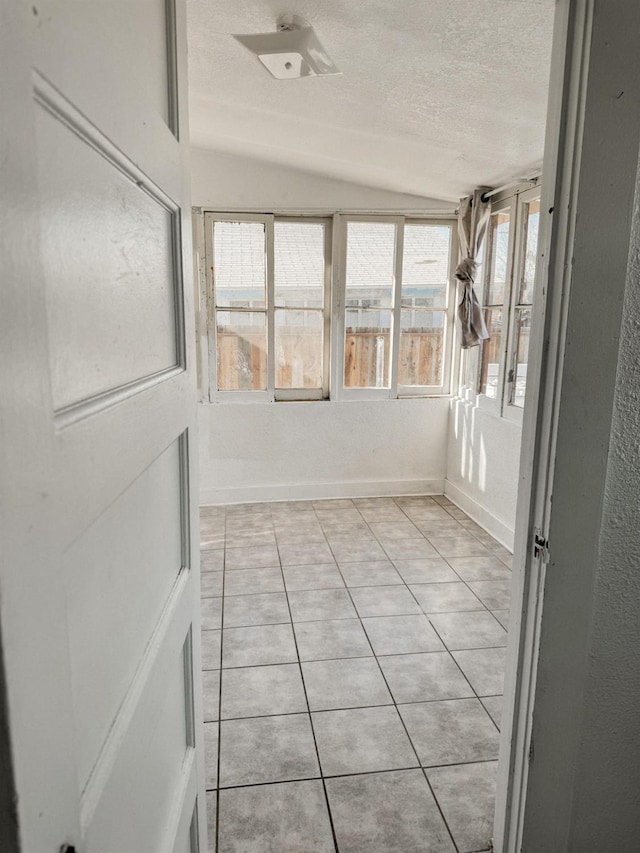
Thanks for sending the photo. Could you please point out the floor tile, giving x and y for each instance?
(212, 561)
(289, 817)
(262, 609)
(210, 644)
(424, 677)
(439, 527)
(457, 513)
(316, 604)
(458, 546)
(252, 557)
(384, 601)
(445, 597)
(389, 513)
(250, 539)
(371, 573)
(429, 570)
(357, 551)
(479, 568)
(333, 638)
(451, 732)
(362, 740)
(342, 515)
(484, 669)
(258, 691)
(409, 549)
(466, 795)
(493, 704)
(392, 812)
(472, 630)
(211, 613)
(307, 554)
(503, 618)
(320, 576)
(247, 581)
(260, 645)
(396, 635)
(212, 803)
(210, 541)
(496, 595)
(394, 530)
(211, 755)
(299, 536)
(267, 749)
(211, 695)
(333, 504)
(351, 683)
(211, 584)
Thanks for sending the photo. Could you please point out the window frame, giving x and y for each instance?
(271, 393)
(502, 405)
(394, 391)
(510, 410)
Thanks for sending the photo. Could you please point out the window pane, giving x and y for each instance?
(299, 264)
(421, 347)
(491, 353)
(523, 329)
(239, 264)
(242, 351)
(367, 349)
(425, 266)
(370, 264)
(530, 244)
(499, 253)
(299, 346)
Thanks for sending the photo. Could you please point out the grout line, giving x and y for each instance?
(306, 697)
(217, 830)
(359, 773)
(393, 703)
(399, 715)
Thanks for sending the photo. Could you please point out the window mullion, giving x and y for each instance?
(270, 271)
(397, 306)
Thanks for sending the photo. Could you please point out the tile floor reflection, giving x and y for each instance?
(353, 659)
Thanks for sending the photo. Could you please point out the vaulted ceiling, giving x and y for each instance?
(436, 96)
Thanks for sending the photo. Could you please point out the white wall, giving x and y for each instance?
(483, 459)
(275, 451)
(221, 181)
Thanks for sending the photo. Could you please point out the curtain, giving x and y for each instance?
(473, 219)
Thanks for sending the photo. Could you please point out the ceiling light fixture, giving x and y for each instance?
(294, 50)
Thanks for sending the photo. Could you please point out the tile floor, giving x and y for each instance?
(353, 655)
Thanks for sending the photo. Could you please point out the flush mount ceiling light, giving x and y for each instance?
(294, 50)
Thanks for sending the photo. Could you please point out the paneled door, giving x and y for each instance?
(99, 569)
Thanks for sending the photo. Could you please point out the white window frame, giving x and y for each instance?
(394, 391)
(510, 410)
(271, 393)
(501, 405)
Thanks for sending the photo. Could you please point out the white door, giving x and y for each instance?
(99, 572)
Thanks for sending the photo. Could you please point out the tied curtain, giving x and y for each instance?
(473, 220)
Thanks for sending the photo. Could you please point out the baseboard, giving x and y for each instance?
(320, 491)
(496, 528)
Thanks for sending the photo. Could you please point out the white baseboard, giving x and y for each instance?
(319, 491)
(493, 525)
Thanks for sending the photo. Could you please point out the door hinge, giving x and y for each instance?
(540, 545)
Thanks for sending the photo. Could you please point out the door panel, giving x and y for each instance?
(124, 265)
(119, 576)
(99, 583)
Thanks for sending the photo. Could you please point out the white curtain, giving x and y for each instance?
(473, 220)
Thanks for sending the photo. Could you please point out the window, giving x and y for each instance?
(397, 307)
(272, 317)
(508, 276)
(269, 330)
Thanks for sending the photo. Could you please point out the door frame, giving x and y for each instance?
(561, 170)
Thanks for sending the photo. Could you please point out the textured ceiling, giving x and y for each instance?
(436, 96)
